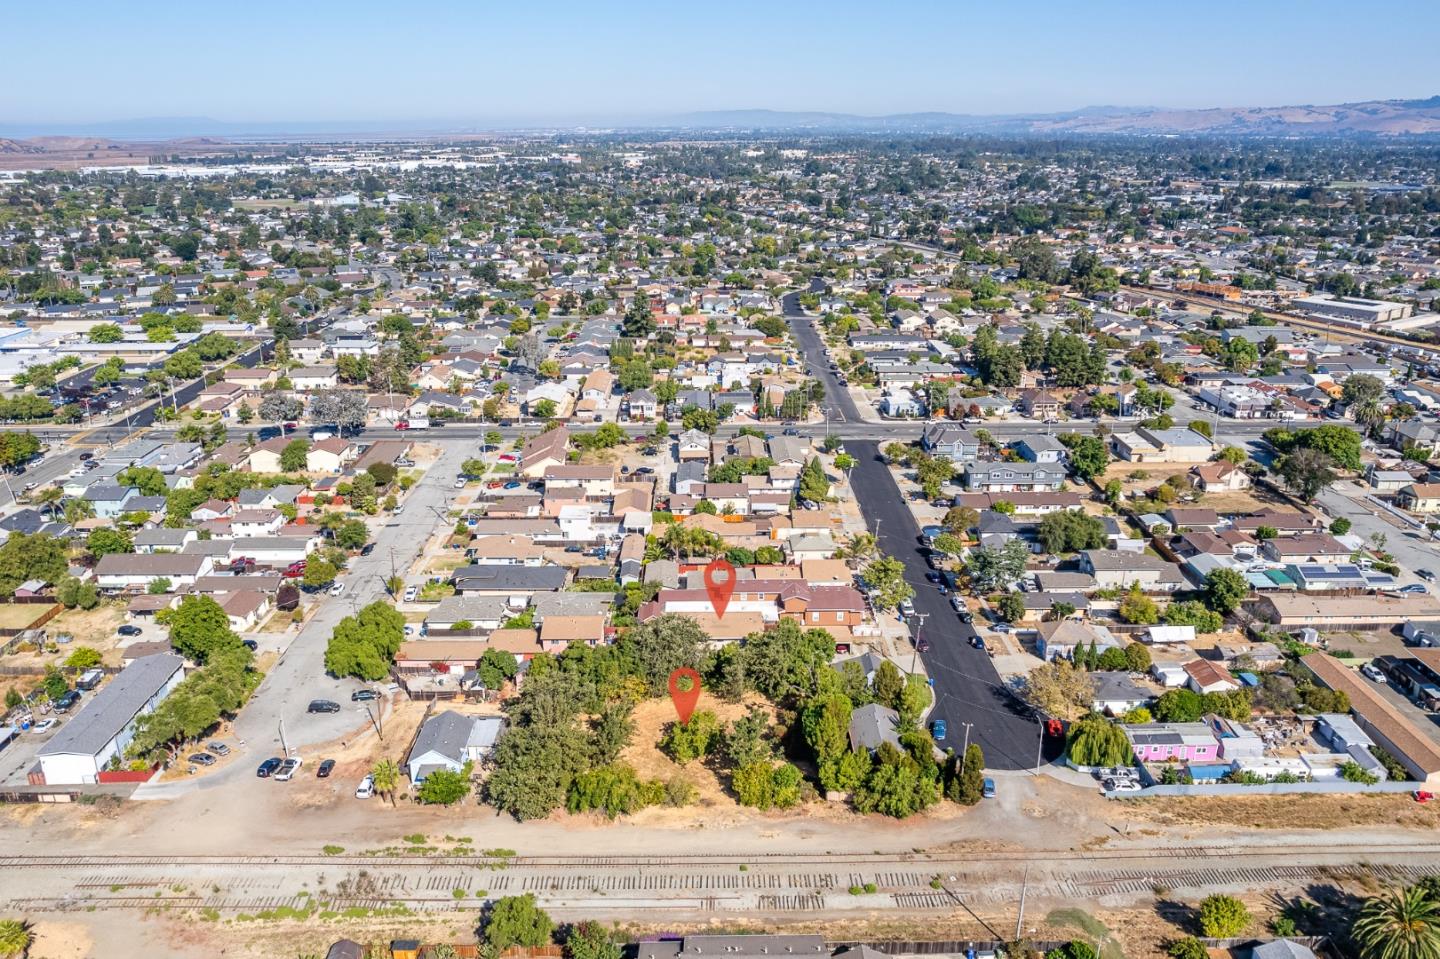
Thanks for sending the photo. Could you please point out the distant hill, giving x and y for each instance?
(1367, 118)
(1372, 117)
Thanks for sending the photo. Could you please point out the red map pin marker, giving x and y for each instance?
(684, 692)
(719, 583)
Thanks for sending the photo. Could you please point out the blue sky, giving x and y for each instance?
(96, 60)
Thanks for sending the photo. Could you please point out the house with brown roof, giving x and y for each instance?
(544, 451)
(507, 550)
(1390, 728)
(1419, 498)
(1038, 404)
(1284, 522)
(330, 456)
(1305, 548)
(1295, 610)
(265, 456)
(1207, 677)
(559, 632)
(1219, 477)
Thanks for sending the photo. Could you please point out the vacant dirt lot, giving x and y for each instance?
(1288, 812)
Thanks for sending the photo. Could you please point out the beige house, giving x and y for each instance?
(1419, 498)
(1219, 477)
(330, 456)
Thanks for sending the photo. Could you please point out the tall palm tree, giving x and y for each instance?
(386, 775)
(16, 937)
(1399, 924)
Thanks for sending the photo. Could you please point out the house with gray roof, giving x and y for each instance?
(872, 725)
(106, 724)
(449, 740)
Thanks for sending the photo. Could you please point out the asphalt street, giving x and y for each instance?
(838, 403)
(299, 675)
(968, 689)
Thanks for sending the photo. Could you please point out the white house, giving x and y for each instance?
(117, 571)
(106, 724)
(449, 740)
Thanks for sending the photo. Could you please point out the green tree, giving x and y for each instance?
(1096, 741)
(319, 572)
(1307, 471)
(967, 780)
(1011, 607)
(1225, 589)
(497, 667)
(655, 649)
(590, 940)
(517, 921)
(445, 787)
(1179, 706)
(293, 456)
(104, 541)
(534, 767)
(1069, 531)
(16, 938)
(885, 575)
(1088, 454)
(1222, 916)
(1138, 608)
(82, 658)
(199, 628)
(1188, 948)
(1398, 924)
(994, 566)
(385, 777)
(364, 645)
(685, 742)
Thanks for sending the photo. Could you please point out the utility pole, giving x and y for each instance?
(283, 748)
(966, 750)
(915, 652)
(1020, 918)
(1040, 747)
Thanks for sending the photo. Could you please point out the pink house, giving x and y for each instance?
(1185, 742)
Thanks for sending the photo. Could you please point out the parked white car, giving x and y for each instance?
(288, 769)
(366, 789)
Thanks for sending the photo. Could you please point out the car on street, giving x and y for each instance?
(250, 644)
(337, 589)
(323, 706)
(219, 749)
(128, 630)
(288, 769)
(201, 759)
(967, 617)
(459, 484)
(938, 730)
(932, 577)
(366, 789)
(987, 789)
(957, 603)
(323, 770)
(907, 608)
(268, 767)
(977, 642)
(1426, 575)
(367, 549)
(922, 645)
(363, 695)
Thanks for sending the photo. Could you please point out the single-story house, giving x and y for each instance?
(105, 725)
(449, 740)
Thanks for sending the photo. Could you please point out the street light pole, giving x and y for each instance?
(965, 751)
(915, 652)
(1040, 747)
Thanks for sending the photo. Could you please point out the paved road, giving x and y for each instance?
(299, 675)
(968, 689)
(840, 406)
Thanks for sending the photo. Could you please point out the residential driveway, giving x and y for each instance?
(968, 689)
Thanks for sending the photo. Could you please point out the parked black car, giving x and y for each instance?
(361, 695)
(267, 767)
(323, 706)
(324, 769)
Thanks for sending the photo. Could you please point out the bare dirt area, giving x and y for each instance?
(1288, 811)
(652, 716)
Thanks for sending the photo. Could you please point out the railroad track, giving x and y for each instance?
(1362, 852)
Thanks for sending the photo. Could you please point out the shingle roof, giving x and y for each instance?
(113, 707)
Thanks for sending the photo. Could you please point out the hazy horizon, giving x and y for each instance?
(451, 65)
